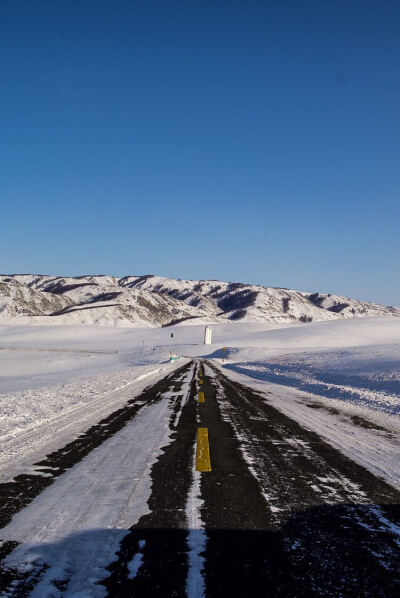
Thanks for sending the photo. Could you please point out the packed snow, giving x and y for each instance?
(74, 525)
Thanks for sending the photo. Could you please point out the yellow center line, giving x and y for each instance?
(202, 450)
(201, 397)
(200, 381)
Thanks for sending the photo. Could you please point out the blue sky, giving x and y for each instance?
(243, 141)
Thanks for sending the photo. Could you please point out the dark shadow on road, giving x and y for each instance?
(328, 550)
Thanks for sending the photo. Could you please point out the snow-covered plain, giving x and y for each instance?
(361, 354)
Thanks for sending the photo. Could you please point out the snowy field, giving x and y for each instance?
(48, 396)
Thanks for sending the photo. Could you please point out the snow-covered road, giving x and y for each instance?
(126, 510)
(100, 496)
(96, 502)
(76, 525)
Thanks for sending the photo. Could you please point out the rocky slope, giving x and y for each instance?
(158, 301)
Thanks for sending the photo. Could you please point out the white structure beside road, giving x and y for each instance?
(207, 335)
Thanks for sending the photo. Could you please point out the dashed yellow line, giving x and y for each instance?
(202, 450)
(201, 397)
(200, 381)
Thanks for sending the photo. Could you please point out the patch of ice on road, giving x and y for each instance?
(184, 391)
(386, 524)
(77, 561)
(196, 539)
(137, 561)
(275, 509)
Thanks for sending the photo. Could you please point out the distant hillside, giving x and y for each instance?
(158, 301)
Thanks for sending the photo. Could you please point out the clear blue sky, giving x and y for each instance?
(252, 141)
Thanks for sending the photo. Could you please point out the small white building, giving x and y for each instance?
(207, 335)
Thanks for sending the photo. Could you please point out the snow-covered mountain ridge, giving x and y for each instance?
(158, 301)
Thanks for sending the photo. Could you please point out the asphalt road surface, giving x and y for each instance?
(243, 502)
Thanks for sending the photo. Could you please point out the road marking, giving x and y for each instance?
(202, 450)
(201, 397)
(200, 381)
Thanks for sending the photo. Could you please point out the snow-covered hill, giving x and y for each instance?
(158, 301)
(18, 300)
